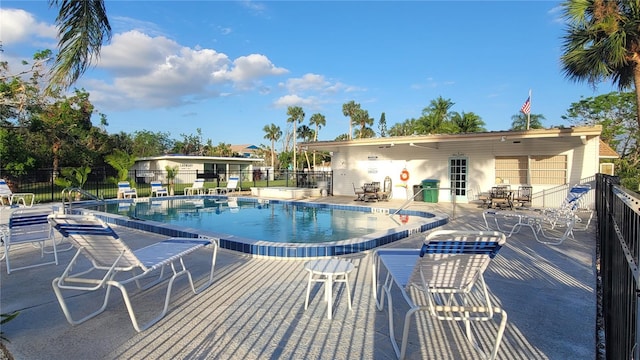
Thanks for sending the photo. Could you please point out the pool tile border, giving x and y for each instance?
(259, 248)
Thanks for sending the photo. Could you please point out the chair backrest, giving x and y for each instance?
(233, 182)
(198, 184)
(387, 184)
(124, 186)
(575, 195)
(455, 259)
(28, 225)
(525, 192)
(99, 241)
(156, 185)
(4, 188)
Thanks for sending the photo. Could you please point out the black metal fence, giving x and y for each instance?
(102, 183)
(618, 234)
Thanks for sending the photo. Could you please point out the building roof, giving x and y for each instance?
(200, 158)
(606, 152)
(562, 134)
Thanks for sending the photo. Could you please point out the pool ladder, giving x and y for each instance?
(71, 193)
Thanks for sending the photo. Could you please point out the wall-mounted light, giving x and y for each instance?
(503, 139)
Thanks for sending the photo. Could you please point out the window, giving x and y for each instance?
(549, 170)
(511, 169)
(542, 169)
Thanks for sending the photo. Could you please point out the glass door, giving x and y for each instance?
(458, 167)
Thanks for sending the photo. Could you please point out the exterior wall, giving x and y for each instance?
(188, 166)
(355, 165)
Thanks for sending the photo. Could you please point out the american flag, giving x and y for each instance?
(526, 107)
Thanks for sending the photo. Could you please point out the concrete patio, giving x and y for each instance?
(255, 308)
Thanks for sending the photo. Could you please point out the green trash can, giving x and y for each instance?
(430, 191)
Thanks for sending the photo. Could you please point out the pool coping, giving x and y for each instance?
(261, 248)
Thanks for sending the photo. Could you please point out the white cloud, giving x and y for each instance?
(20, 26)
(295, 100)
(150, 72)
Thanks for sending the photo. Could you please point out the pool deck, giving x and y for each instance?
(255, 308)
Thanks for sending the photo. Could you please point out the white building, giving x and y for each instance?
(189, 166)
(466, 164)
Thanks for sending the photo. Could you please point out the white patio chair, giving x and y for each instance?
(125, 190)
(196, 189)
(29, 228)
(158, 190)
(448, 271)
(8, 196)
(109, 256)
(232, 186)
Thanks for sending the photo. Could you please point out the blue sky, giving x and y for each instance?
(232, 67)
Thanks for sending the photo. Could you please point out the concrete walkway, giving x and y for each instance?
(255, 308)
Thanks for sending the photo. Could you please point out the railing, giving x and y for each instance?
(618, 212)
(100, 183)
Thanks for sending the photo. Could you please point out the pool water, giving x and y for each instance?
(274, 221)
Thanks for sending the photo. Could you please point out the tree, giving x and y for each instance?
(147, 143)
(306, 134)
(296, 116)
(82, 27)
(519, 121)
(382, 125)
(616, 113)
(121, 162)
(273, 134)
(361, 117)
(350, 110)
(405, 128)
(602, 42)
(435, 116)
(318, 120)
(467, 122)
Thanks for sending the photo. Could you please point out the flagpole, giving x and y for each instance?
(529, 112)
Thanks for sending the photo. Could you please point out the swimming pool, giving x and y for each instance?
(274, 228)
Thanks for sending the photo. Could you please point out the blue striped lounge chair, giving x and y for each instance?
(109, 257)
(443, 279)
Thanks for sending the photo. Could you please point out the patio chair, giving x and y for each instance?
(446, 271)
(30, 228)
(232, 186)
(8, 196)
(551, 228)
(359, 192)
(196, 189)
(523, 197)
(109, 256)
(385, 194)
(158, 190)
(125, 190)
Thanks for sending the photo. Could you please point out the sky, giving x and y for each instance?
(231, 67)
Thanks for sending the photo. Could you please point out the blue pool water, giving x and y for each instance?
(275, 228)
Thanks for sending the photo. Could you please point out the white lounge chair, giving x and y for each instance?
(109, 256)
(158, 190)
(445, 272)
(551, 226)
(125, 190)
(30, 227)
(196, 189)
(232, 186)
(8, 196)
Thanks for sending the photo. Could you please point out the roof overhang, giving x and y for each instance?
(200, 158)
(581, 134)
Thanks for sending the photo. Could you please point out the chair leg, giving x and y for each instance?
(306, 301)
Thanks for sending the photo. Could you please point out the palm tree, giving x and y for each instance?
(296, 115)
(82, 28)
(435, 115)
(362, 118)
(519, 121)
(468, 122)
(602, 41)
(319, 121)
(306, 134)
(350, 109)
(273, 134)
